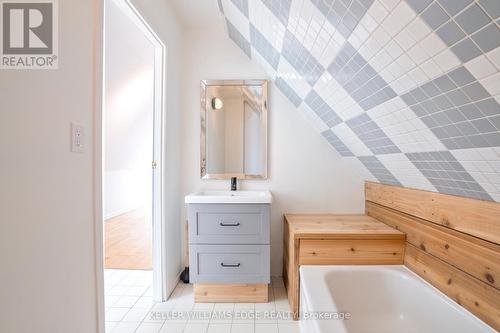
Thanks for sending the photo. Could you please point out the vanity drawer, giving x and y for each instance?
(229, 263)
(228, 224)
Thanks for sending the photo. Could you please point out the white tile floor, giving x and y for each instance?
(130, 308)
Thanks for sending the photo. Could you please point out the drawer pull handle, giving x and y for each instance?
(230, 265)
(222, 224)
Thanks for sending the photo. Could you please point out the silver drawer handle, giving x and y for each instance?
(222, 224)
(230, 265)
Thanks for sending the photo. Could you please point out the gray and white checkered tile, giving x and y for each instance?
(288, 91)
(265, 49)
(443, 170)
(238, 38)
(242, 6)
(379, 170)
(322, 109)
(408, 88)
(281, 9)
(458, 110)
(301, 59)
(359, 79)
(343, 15)
(336, 143)
(371, 135)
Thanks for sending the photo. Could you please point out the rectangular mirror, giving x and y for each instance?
(234, 129)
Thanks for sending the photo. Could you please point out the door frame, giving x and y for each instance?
(158, 214)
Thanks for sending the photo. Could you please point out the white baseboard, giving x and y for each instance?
(119, 212)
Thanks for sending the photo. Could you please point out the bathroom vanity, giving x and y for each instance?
(229, 245)
(229, 240)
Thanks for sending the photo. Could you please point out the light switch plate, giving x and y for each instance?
(77, 138)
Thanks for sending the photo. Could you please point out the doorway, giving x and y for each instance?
(133, 140)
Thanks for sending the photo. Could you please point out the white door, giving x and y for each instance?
(157, 198)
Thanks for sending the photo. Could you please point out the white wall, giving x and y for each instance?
(47, 272)
(128, 114)
(304, 175)
(47, 275)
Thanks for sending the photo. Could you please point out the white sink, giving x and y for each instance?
(242, 197)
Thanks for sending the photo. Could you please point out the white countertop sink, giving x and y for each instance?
(228, 197)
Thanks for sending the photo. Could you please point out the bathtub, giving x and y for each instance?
(378, 299)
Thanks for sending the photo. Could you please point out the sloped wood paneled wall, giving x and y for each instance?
(451, 242)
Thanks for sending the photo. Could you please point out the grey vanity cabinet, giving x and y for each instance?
(228, 223)
(229, 243)
(229, 263)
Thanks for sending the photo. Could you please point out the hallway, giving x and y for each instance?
(128, 241)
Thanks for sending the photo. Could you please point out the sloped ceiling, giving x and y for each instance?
(410, 88)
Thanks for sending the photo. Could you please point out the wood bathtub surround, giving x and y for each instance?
(474, 217)
(475, 256)
(350, 252)
(452, 243)
(479, 298)
(327, 239)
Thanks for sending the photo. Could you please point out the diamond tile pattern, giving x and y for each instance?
(411, 88)
(466, 23)
(359, 79)
(300, 58)
(287, 91)
(323, 110)
(378, 170)
(242, 6)
(448, 176)
(371, 135)
(336, 143)
(343, 15)
(238, 38)
(457, 109)
(266, 50)
(281, 9)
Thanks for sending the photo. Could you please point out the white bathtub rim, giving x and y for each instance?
(317, 273)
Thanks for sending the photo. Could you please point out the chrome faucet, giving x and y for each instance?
(234, 184)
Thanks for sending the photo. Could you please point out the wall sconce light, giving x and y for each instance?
(217, 103)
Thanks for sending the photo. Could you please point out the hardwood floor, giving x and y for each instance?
(127, 241)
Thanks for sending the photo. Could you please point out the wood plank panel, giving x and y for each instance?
(230, 293)
(351, 252)
(333, 226)
(471, 293)
(475, 217)
(286, 255)
(477, 257)
(291, 268)
(301, 228)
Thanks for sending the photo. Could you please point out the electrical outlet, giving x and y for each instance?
(77, 138)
